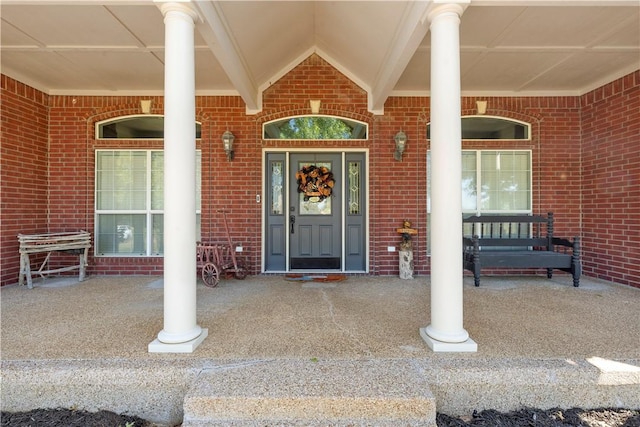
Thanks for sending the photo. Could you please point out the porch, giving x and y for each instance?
(276, 346)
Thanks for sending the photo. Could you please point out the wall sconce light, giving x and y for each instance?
(227, 144)
(401, 144)
(481, 107)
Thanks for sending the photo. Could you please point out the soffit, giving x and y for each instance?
(507, 48)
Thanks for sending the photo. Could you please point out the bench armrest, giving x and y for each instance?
(558, 241)
(469, 241)
(573, 244)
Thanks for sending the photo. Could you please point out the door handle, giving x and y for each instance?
(292, 220)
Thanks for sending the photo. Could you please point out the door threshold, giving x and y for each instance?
(314, 271)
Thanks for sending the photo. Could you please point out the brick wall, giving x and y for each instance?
(315, 79)
(397, 189)
(555, 150)
(611, 181)
(23, 170)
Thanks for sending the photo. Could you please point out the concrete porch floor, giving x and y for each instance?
(541, 343)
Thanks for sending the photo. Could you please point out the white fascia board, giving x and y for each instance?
(214, 30)
(410, 33)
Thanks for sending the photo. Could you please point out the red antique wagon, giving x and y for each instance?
(213, 260)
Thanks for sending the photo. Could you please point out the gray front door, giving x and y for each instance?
(315, 211)
(308, 227)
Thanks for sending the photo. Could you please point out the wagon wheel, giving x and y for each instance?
(210, 275)
(241, 271)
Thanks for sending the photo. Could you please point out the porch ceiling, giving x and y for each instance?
(526, 47)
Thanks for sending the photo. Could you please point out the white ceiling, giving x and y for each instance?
(508, 47)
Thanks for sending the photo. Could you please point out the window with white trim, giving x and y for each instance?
(493, 182)
(491, 128)
(137, 126)
(129, 202)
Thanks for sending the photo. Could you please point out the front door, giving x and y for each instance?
(315, 211)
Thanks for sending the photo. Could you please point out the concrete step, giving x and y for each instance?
(286, 392)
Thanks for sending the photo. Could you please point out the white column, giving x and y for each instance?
(446, 332)
(181, 334)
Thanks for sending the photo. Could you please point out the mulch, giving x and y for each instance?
(61, 417)
(575, 417)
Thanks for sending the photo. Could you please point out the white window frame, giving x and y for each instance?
(148, 211)
(478, 210)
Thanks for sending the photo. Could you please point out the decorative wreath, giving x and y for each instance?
(315, 182)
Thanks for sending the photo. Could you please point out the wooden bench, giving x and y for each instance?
(77, 243)
(518, 241)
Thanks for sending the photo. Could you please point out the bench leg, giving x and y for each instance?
(81, 268)
(23, 271)
(476, 277)
(576, 265)
(549, 273)
(576, 276)
(27, 271)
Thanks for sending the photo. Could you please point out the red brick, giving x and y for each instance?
(585, 160)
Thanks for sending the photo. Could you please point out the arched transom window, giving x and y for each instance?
(315, 127)
(492, 128)
(144, 126)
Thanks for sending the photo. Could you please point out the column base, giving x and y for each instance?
(468, 346)
(156, 346)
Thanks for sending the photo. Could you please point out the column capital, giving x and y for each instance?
(179, 6)
(439, 7)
